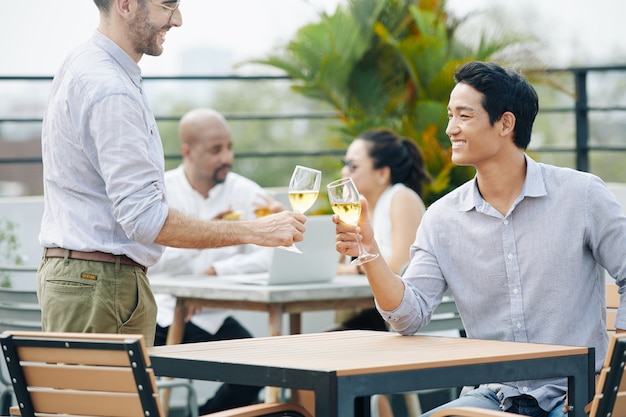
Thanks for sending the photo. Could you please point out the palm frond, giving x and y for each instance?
(390, 63)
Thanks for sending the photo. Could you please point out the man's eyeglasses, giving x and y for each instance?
(166, 5)
(348, 163)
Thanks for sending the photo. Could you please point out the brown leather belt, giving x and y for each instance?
(91, 256)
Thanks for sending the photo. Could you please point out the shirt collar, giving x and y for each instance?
(118, 54)
(213, 192)
(534, 186)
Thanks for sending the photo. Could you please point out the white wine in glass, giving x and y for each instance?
(304, 188)
(345, 202)
(302, 201)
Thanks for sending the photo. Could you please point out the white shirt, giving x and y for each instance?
(237, 193)
(381, 221)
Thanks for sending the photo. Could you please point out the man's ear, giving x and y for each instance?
(185, 149)
(507, 122)
(124, 7)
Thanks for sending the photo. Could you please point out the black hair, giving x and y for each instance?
(103, 5)
(503, 90)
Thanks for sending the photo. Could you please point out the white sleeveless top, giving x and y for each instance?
(381, 222)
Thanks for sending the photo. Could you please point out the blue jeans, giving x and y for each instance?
(484, 397)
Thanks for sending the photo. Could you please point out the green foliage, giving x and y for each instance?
(9, 246)
(389, 63)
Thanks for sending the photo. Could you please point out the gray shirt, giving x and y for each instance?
(102, 156)
(533, 275)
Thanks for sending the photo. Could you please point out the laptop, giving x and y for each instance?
(317, 262)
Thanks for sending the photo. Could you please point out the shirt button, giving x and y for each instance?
(510, 256)
(514, 290)
(505, 222)
(519, 325)
(525, 389)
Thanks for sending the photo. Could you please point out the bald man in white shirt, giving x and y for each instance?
(204, 187)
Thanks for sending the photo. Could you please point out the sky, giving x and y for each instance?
(37, 34)
(572, 32)
(47, 31)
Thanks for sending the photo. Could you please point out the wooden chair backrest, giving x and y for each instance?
(105, 375)
(612, 303)
(610, 397)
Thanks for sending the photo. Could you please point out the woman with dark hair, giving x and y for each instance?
(389, 172)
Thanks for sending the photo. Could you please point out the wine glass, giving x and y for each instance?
(345, 202)
(304, 188)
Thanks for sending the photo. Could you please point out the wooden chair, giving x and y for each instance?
(608, 401)
(105, 375)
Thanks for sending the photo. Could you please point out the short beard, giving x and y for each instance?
(143, 34)
(216, 178)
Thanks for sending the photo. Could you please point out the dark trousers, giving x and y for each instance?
(228, 395)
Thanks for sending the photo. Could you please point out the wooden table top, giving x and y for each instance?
(359, 351)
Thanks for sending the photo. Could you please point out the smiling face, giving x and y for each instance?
(474, 139)
(147, 29)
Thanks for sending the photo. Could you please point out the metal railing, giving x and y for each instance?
(580, 108)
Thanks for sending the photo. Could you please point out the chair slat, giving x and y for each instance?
(89, 336)
(610, 351)
(92, 378)
(612, 303)
(612, 296)
(619, 409)
(87, 404)
(610, 320)
(73, 356)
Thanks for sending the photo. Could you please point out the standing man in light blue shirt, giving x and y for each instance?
(106, 218)
(521, 246)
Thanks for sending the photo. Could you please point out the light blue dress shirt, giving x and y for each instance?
(102, 157)
(534, 275)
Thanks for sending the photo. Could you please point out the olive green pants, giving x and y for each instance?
(95, 297)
